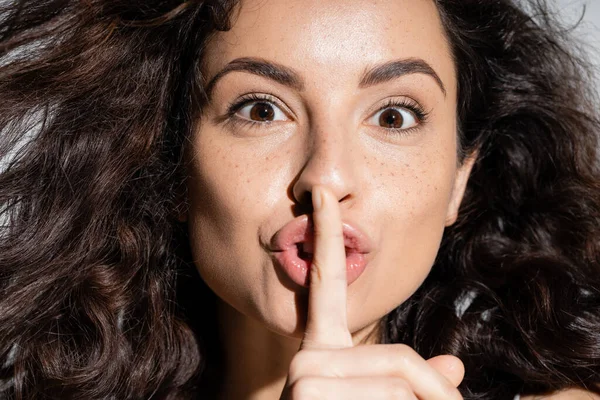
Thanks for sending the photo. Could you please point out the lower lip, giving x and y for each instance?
(298, 269)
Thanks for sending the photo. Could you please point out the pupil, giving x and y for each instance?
(391, 119)
(262, 112)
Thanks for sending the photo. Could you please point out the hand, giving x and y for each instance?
(328, 366)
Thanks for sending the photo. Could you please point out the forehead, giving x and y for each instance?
(326, 39)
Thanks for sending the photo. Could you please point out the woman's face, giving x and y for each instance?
(356, 96)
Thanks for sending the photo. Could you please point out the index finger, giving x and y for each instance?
(326, 323)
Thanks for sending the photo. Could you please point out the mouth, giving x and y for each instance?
(306, 255)
(306, 250)
(293, 250)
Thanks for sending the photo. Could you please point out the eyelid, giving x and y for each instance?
(416, 123)
(254, 97)
(402, 102)
(409, 104)
(279, 114)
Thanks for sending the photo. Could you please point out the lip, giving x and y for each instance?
(300, 230)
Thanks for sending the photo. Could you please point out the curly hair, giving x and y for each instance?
(97, 101)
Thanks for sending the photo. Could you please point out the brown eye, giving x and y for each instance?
(391, 118)
(261, 111)
(396, 118)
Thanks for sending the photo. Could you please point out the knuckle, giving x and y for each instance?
(402, 348)
(398, 389)
(303, 361)
(404, 356)
(450, 392)
(305, 389)
(316, 271)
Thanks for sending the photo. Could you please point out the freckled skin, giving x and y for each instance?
(401, 190)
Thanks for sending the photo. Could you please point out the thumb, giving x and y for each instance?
(450, 367)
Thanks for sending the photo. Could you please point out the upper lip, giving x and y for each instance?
(300, 230)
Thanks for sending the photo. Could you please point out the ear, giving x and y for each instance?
(460, 184)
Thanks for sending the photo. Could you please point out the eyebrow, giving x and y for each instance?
(288, 77)
(395, 69)
(257, 66)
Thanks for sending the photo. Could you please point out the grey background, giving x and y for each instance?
(589, 30)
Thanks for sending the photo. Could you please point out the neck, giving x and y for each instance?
(256, 360)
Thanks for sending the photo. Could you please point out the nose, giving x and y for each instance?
(329, 163)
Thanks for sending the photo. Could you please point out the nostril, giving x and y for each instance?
(306, 199)
(345, 198)
(302, 203)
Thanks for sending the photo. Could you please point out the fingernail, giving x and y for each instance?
(317, 198)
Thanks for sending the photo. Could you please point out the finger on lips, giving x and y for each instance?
(326, 322)
(327, 365)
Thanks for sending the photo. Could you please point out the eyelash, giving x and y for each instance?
(420, 114)
(237, 105)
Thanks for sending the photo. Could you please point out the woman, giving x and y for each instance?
(298, 200)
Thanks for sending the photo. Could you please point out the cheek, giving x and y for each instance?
(226, 188)
(216, 186)
(412, 217)
(422, 198)
(232, 181)
(232, 190)
(219, 188)
(417, 229)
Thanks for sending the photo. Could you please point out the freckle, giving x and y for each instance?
(393, 174)
(247, 180)
(237, 165)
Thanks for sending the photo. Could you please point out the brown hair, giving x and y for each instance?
(96, 103)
